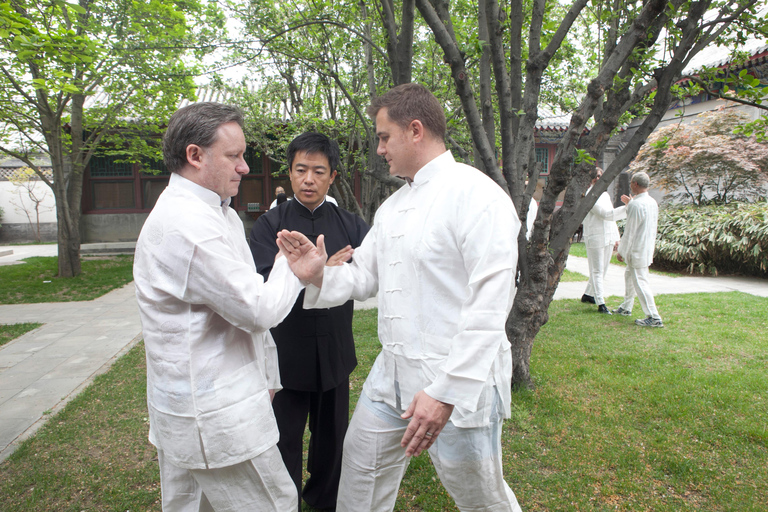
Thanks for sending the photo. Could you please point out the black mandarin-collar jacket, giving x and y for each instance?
(315, 347)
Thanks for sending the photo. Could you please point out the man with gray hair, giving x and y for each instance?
(636, 249)
(206, 314)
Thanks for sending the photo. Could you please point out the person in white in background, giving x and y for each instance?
(280, 197)
(636, 249)
(205, 313)
(600, 238)
(533, 210)
(442, 255)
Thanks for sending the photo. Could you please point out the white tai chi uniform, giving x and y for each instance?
(600, 235)
(636, 247)
(211, 361)
(533, 210)
(442, 255)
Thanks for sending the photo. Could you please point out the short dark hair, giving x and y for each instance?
(197, 124)
(407, 102)
(313, 142)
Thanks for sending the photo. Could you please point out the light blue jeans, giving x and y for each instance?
(467, 460)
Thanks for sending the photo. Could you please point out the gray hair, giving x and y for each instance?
(197, 124)
(641, 179)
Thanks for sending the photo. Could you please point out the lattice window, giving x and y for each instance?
(253, 159)
(157, 165)
(542, 156)
(108, 167)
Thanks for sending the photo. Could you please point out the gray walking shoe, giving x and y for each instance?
(649, 322)
(621, 311)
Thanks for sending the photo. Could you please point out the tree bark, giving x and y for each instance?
(439, 20)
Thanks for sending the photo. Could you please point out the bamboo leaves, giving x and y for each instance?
(714, 239)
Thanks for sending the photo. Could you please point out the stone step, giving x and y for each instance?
(107, 248)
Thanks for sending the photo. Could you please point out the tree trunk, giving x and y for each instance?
(542, 260)
(486, 99)
(399, 45)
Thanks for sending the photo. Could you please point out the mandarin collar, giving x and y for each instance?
(304, 210)
(426, 173)
(209, 197)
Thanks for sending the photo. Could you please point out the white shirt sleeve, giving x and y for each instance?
(489, 250)
(357, 280)
(208, 273)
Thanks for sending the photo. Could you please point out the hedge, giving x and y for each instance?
(712, 239)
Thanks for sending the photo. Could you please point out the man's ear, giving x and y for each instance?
(195, 155)
(417, 130)
(333, 176)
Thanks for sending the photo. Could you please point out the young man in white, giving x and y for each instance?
(442, 255)
(636, 249)
(205, 313)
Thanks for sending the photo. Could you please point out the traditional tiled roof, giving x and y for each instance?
(9, 165)
(717, 56)
(7, 162)
(203, 93)
(550, 120)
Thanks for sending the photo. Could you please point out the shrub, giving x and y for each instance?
(714, 239)
(706, 160)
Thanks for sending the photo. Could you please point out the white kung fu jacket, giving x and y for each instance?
(442, 255)
(600, 223)
(205, 313)
(639, 239)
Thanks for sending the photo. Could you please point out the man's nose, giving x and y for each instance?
(381, 149)
(242, 167)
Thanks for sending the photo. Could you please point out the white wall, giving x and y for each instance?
(13, 205)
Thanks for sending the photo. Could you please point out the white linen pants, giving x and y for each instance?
(598, 259)
(467, 460)
(637, 282)
(261, 483)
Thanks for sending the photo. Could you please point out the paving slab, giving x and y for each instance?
(44, 369)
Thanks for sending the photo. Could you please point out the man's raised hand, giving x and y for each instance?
(340, 257)
(305, 259)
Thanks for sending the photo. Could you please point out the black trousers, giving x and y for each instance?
(328, 413)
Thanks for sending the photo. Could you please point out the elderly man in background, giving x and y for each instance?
(636, 250)
(205, 313)
(280, 197)
(600, 237)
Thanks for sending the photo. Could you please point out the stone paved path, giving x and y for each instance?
(44, 369)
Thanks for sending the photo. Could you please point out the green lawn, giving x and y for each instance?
(9, 332)
(578, 249)
(36, 281)
(569, 276)
(622, 418)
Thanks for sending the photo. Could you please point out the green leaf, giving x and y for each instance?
(76, 7)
